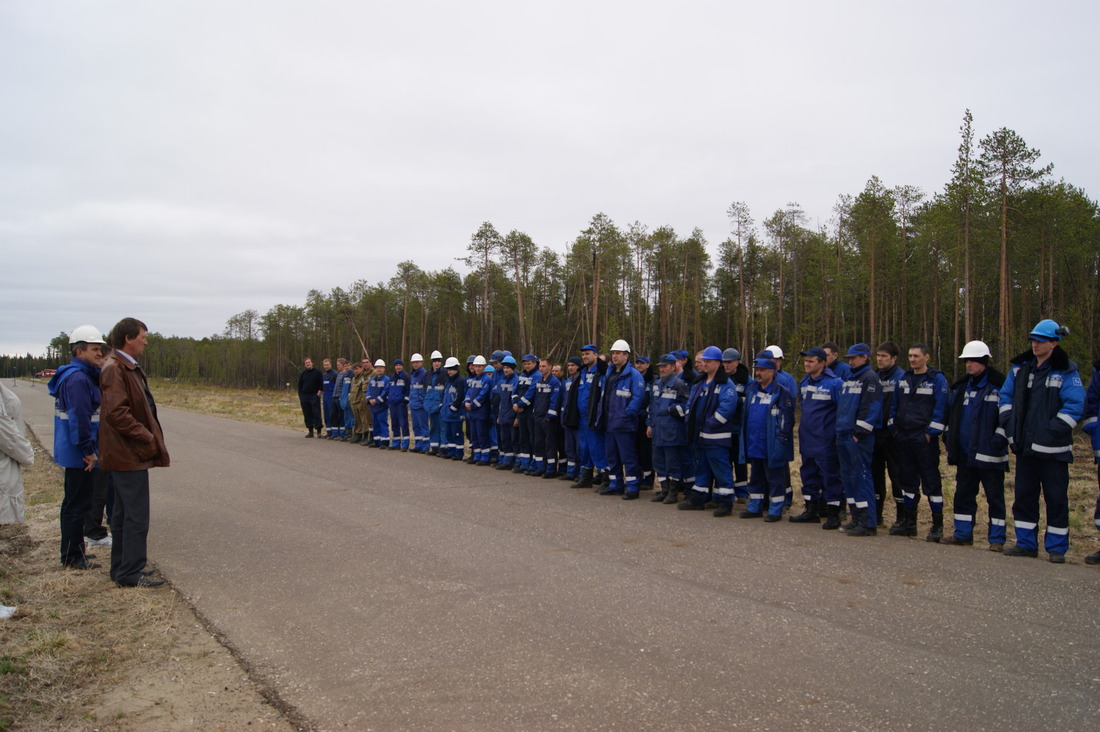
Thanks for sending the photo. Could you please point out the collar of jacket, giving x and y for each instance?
(995, 378)
(721, 377)
(1059, 359)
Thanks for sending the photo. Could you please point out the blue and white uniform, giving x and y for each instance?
(858, 414)
(1040, 405)
(820, 471)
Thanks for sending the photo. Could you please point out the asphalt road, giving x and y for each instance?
(380, 590)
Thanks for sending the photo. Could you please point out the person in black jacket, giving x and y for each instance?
(310, 388)
(884, 462)
(974, 447)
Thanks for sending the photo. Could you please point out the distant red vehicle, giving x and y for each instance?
(45, 373)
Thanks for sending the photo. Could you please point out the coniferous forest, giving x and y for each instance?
(1003, 244)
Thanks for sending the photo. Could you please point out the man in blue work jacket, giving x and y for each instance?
(822, 492)
(767, 439)
(1040, 403)
(713, 423)
(859, 412)
(75, 389)
(976, 447)
(620, 405)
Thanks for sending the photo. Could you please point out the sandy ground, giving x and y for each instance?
(181, 677)
(197, 684)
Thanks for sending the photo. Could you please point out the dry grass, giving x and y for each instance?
(280, 408)
(74, 631)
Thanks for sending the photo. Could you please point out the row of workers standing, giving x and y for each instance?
(717, 434)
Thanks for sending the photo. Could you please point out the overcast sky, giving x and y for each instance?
(181, 162)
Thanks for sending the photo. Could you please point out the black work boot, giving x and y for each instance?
(585, 479)
(936, 533)
(832, 518)
(661, 494)
(859, 516)
(675, 488)
(807, 516)
(853, 521)
(908, 526)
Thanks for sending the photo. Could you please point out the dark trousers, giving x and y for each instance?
(435, 431)
(571, 440)
(592, 449)
(621, 450)
(505, 440)
(544, 453)
(1096, 513)
(669, 462)
(967, 481)
(524, 439)
(75, 507)
(767, 487)
(332, 413)
(821, 479)
(919, 469)
(335, 417)
(645, 455)
(740, 477)
(855, 474)
(712, 468)
(311, 410)
(129, 525)
(884, 463)
(102, 500)
(1051, 478)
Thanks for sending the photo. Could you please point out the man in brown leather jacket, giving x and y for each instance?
(130, 442)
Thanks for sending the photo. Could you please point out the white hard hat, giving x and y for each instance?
(620, 345)
(437, 356)
(777, 352)
(86, 333)
(416, 357)
(479, 361)
(379, 362)
(452, 363)
(975, 349)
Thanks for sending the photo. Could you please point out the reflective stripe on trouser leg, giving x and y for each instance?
(712, 466)
(1051, 478)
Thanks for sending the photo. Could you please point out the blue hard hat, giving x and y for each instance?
(764, 360)
(731, 354)
(712, 353)
(496, 356)
(531, 357)
(508, 360)
(489, 369)
(470, 359)
(1047, 330)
